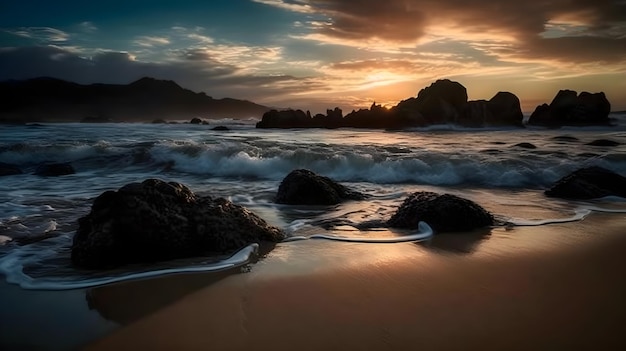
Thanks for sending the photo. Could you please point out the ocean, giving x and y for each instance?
(505, 170)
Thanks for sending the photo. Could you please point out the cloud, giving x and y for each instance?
(88, 27)
(151, 41)
(42, 34)
(295, 6)
(522, 25)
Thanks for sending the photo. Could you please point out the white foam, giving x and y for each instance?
(12, 266)
(424, 232)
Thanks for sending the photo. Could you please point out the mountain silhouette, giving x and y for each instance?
(53, 100)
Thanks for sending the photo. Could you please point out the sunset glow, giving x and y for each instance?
(318, 54)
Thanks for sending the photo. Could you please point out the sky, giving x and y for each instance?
(318, 54)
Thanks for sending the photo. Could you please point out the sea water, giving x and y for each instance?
(246, 166)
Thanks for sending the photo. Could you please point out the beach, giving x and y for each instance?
(543, 288)
(546, 276)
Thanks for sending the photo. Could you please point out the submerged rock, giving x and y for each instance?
(525, 145)
(54, 169)
(9, 169)
(154, 221)
(444, 213)
(220, 128)
(303, 187)
(604, 142)
(589, 183)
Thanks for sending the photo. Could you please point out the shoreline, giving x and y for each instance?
(547, 287)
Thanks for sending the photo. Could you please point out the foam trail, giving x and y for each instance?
(424, 233)
(580, 214)
(15, 275)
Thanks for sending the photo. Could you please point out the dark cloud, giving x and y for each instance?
(409, 20)
(196, 72)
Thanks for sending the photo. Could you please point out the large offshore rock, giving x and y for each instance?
(154, 221)
(569, 108)
(443, 212)
(303, 187)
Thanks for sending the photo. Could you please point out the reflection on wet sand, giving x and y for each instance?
(464, 243)
(129, 301)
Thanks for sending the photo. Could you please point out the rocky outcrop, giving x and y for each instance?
(9, 169)
(54, 169)
(569, 108)
(195, 120)
(220, 128)
(443, 102)
(154, 221)
(285, 119)
(444, 213)
(303, 187)
(503, 109)
(589, 183)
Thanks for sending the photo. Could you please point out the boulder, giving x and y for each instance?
(444, 101)
(9, 169)
(444, 213)
(568, 108)
(505, 109)
(589, 183)
(303, 187)
(54, 169)
(155, 220)
(220, 128)
(285, 119)
(195, 120)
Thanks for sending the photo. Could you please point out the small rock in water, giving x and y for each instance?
(604, 142)
(444, 213)
(9, 169)
(525, 145)
(589, 183)
(303, 187)
(54, 169)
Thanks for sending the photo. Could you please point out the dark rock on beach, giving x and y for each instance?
(54, 169)
(154, 221)
(570, 109)
(303, 187)
(9, 169)
(444, 213)
(589, 183)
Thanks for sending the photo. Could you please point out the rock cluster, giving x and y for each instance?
(443, 102)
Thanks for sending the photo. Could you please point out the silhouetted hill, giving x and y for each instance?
(147, 99)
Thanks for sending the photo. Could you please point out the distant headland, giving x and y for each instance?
(54, 100)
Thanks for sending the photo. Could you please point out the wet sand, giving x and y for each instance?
(542, 288)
